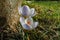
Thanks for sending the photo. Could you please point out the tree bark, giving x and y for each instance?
(9, 13)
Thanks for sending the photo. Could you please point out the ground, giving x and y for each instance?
(48, 16)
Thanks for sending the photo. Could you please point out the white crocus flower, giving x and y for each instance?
(28, 23)
(26, 11)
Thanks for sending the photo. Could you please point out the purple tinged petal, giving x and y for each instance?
(32, 12)
(20, 10)
(35, 24)
(22, 20)
(26, 10)
(25, 26)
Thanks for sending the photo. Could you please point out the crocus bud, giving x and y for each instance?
(26, 11)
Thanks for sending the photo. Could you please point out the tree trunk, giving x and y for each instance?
(9, 13)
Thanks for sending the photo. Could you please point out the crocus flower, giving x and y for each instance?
(28, 23)
(26, 11)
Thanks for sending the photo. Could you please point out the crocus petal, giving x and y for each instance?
(22, 20)
(25, 10)
(35, 24)
(27, 27)
(20, 10)
(32, 11)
